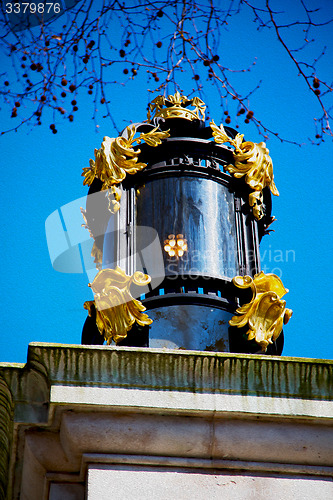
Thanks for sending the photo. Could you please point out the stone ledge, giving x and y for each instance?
(73, 401)
(285, 385)
(174, 435)
(193, 371)
(156, 401)
(202, 463)
(142, 482)
(63, 453)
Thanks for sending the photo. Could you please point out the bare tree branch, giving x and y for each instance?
(57, 58)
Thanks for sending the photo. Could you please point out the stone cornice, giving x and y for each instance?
(190, 371)
(195, 372)
(70, 401)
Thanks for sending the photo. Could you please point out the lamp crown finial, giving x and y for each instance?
(176, 106)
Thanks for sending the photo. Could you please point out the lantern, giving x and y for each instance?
(186, 204)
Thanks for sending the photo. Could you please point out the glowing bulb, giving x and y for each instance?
(175, 245)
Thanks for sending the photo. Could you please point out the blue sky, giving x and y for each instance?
(42, 172)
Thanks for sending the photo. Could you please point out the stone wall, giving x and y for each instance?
(75, 418)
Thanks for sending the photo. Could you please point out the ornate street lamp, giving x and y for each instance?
(177, 231)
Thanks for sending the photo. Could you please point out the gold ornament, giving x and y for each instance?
(113, 161)
(266, 312)
(116, 158)
(251, 160)
(153, 138)
(96, 252)
(116, 309)
(175, 106)
(114, 195)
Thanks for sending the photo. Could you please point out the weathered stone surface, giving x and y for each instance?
(186, 370)
(67, 492)
(120, 482)
(78, 410)
(6, 431)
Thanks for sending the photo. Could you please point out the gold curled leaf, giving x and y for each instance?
(96, 252)
(114, 196)
(116, 309)
(116, 158)
(266, 312)
(256, 200)
(89, 173)
(154, 138)
(252, 161)
(85, 225)
(219, 134)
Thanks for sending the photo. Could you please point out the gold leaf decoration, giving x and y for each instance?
(256, 200)
(252, 161)
(116, 309)
(89, 173)
(175, 106)
(97, 255)
(116, 158)
(113, 161)
(96, 252)
(114, 196)
(266, 312)
(154, 138)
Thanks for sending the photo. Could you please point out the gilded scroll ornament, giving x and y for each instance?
(252, 161)
(114, 195)
(266, 313)
(116, 309)
(153, 137)
(176, 106)
(116, 158)
(96, 252)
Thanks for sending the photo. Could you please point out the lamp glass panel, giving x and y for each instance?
(202, 210)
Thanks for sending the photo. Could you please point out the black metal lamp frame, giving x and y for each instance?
(192, 156)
